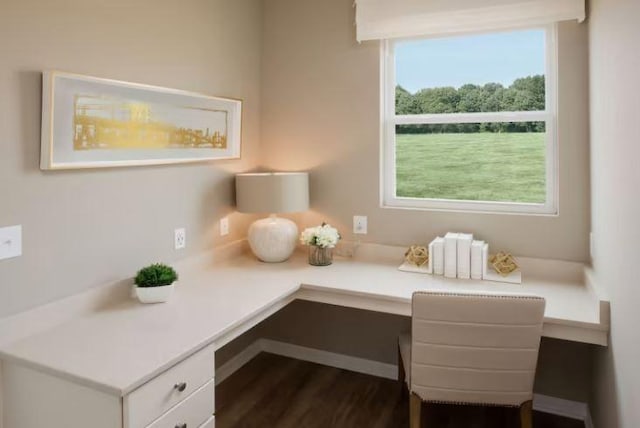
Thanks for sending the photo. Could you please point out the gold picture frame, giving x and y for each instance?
(91, 122)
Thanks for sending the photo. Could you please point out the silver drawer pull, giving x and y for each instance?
(181, 425)
(181, 387)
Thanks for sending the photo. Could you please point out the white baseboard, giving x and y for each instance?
(561, 407)
(331, 359)
(238, 360)
(542, 403)
(588, 422)
(303, 353)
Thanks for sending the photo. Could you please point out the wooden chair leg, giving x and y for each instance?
(415, 406)
(401, 372)
(526, 414)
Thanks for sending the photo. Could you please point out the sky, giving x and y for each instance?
(478, 59)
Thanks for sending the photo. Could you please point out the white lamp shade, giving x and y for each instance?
(272, 192)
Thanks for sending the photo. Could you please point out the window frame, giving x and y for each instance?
(388, 196)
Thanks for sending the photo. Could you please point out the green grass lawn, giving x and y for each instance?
(508, 167)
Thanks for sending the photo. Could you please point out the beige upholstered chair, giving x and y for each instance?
(472, 349)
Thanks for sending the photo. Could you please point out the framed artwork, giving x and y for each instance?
(89, 122)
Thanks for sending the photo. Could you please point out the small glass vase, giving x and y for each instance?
(319, 256)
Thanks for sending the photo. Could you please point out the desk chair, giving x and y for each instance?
(471, 349)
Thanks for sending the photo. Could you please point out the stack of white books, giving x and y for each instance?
(478, 259)
(436, 256)
(451, 255)
(463, 256)
(458, 255)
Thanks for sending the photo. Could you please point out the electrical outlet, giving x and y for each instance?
(180, 238)
(10, 242)
(360, 224)
(224, 226)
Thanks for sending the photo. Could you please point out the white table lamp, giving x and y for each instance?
(272, 239)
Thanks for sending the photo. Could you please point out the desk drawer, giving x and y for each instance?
(155, 397)
(192, 412)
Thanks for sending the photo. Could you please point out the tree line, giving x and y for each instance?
(524, 94)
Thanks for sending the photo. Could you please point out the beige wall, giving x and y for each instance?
(87, 228)
(615, 145)
(320, 112)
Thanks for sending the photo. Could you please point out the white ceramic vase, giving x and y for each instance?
(273, 239)
(155, 294)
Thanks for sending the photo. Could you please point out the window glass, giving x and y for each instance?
(483, 73)
(457, 162)
(470, 122)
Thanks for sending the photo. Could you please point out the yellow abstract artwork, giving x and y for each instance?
(108, 123)
(94, 122)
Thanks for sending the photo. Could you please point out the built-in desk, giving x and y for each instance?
(118, 346)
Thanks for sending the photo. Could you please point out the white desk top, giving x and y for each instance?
(121, 345)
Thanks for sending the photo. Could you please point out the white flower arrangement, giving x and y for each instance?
(324, 236)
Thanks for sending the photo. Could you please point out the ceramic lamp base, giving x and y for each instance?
(273, 239)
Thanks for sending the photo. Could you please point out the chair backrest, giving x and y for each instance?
(475, 349)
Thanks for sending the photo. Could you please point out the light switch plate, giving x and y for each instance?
(360, 224)
(224, 226)
(180, 238)
(10, 242)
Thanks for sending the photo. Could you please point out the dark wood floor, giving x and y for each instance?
(274, 391)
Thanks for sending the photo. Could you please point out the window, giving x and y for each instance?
(469, 122)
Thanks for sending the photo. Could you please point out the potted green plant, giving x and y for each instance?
(155, 283)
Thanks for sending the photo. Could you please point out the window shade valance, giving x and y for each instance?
(388, 19)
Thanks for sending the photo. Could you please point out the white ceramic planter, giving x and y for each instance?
(155, 294)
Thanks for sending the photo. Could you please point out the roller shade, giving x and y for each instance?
(388, 19)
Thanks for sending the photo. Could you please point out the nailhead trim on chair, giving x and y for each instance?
(461, 403)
